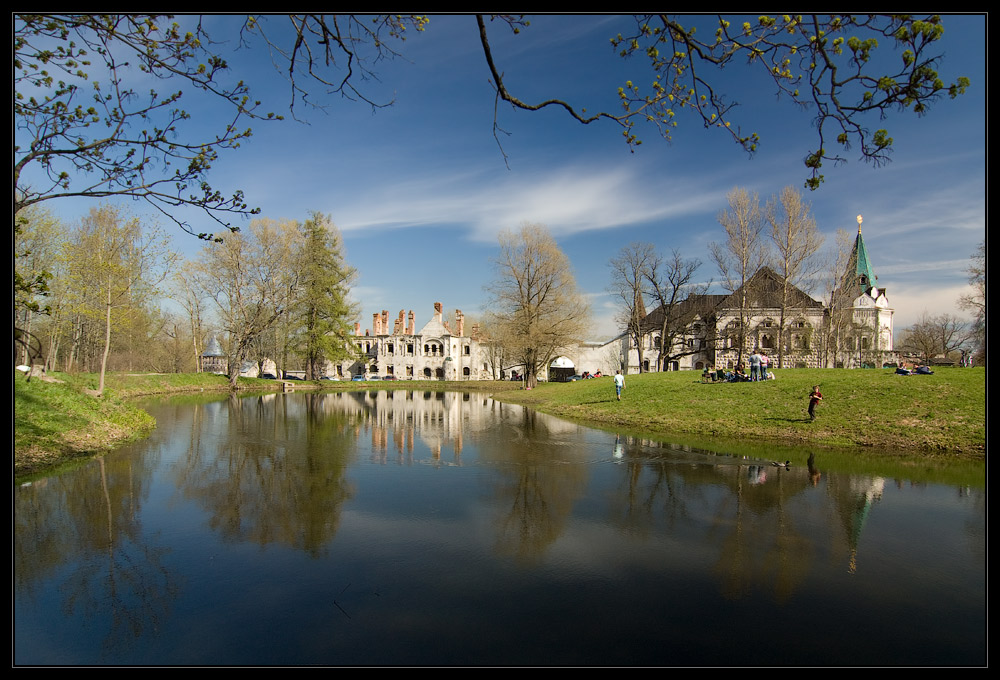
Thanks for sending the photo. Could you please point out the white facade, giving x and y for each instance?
(436, 352)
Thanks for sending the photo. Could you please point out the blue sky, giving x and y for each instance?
(420, 190)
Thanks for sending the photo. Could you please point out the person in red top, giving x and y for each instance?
(814, 399)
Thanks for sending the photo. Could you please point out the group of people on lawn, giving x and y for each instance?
(759, 364)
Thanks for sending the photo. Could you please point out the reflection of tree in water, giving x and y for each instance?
(89, 519)
(975, 524)
(655, 487)
(279, 475)
(535, 487)
(761, 542)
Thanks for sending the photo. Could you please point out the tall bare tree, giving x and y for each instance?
(741, 255)
(975, 301)
(534, 299)
(247, 277)
(629, 274)
(680, 301)
(934, 336)
(796, 244)
(840, 300)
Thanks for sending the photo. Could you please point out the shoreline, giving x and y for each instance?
(937, 417)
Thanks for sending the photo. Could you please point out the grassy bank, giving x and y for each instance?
(56, 422)
(942, 414)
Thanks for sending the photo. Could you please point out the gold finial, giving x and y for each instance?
(859, 224)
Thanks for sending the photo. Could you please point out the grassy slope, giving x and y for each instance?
(942, 413)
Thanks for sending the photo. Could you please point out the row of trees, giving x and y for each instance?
(95, 284)
(281, 290)
(278, 289)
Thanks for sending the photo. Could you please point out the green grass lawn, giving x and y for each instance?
(943, 413)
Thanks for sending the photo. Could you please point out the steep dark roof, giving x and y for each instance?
(764, 291)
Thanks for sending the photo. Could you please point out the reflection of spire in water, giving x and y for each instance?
(864, 493)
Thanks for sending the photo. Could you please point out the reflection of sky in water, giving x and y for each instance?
(429, 529)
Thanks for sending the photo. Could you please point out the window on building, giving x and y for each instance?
(409, 349)
(466, 372)
(468, 350)
(389, 348)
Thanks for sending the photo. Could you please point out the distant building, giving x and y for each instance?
(853, 330)
(213, 359)
(436, 352)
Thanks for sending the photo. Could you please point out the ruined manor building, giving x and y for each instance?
(435, 352)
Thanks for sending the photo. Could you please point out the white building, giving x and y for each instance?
(435, 352)
(853, 330)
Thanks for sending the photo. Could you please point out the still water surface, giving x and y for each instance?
(446, 528)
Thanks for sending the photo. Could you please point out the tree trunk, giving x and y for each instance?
(107, 342)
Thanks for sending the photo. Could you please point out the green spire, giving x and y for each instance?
(860, 276)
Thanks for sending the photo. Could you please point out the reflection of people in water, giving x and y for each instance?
(813, 471)
(619, 449)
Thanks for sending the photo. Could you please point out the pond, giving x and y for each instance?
(424, 528)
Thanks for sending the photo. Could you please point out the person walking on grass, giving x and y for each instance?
(814, 399)
(619, 384)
